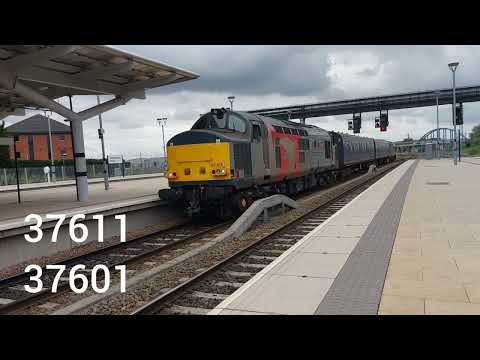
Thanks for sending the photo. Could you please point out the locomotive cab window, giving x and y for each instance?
(256, 133)
(210, 121)
(217, 122)
(327, 150)
(236, 123)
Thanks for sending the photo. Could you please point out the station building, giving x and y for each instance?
(34, 143)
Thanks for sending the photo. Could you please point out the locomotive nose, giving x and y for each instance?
(198, 156)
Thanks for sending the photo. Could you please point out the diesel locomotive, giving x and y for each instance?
(230, 158)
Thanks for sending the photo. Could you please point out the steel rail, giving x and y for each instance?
(46, 294)
(158, 302)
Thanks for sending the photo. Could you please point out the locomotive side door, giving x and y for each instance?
(338, 150)
(260, 154)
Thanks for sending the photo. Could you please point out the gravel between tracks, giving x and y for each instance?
(83, 249)
(136, 296)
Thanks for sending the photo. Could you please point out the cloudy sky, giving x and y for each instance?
(267, 76)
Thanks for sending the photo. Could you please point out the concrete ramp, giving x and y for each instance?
(258, 208)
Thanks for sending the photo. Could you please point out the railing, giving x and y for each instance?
(31, 175)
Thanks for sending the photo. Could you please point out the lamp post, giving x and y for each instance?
(453, 66)
(63, 155)
(438, 129)
(231, 98)
(163, 122)
(54, 177)
(101, 132)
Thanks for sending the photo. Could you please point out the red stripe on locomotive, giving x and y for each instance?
(294, 139)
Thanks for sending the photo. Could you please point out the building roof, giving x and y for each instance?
(37, 124)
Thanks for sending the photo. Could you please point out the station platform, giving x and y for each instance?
(435, 263)
(63, 199)
(410, 244)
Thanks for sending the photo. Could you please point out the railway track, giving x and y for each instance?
(14, 297)
(206, 290)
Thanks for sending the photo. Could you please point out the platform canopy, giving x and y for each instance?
(33, 76)
(55, 71)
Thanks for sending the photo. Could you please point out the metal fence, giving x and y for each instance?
(31, 175)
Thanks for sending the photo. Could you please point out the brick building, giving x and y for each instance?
(33, 140)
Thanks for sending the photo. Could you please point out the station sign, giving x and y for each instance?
(115, 159)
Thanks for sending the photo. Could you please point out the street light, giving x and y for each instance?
(54, 177)
(163, 122)
(231, 98)
(63, 155)
(453, 66)
(438, 128)
(101, 133)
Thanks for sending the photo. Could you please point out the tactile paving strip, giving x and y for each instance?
(357, 289)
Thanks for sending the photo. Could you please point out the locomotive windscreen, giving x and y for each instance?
(228, 122)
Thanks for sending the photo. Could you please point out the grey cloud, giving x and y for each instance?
(286, 70)
(267, 76)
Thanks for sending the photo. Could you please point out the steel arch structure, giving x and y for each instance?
(440, 135)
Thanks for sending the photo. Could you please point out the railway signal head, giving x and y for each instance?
(357, 123)
(377, 122)
(350, 125)
(383, 121)
(459, 114)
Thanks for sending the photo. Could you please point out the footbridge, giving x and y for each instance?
(370, 104)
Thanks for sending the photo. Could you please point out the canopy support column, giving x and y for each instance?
(80, 161)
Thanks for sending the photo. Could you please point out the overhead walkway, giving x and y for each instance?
(376, 103)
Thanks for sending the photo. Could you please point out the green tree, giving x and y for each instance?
(475, 132)
(473, 144)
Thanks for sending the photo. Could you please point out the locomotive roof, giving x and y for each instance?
(312, 128)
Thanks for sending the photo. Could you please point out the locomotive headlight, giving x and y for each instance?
(219, 172)
(172, 175)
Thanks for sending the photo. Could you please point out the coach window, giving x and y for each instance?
(327, 149)
(302, 157)
(278, 155)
